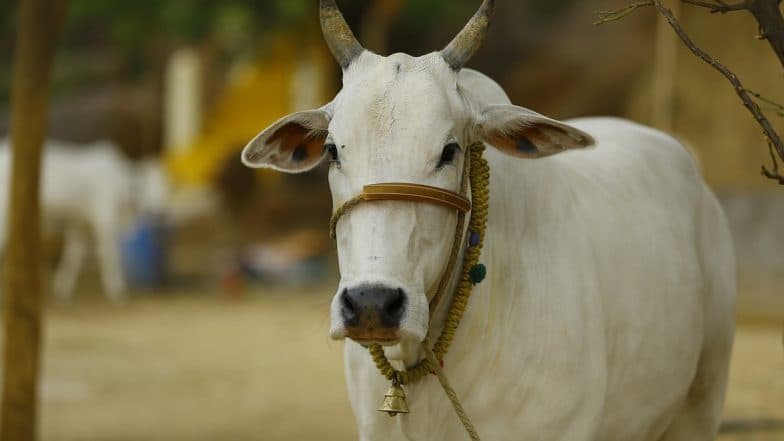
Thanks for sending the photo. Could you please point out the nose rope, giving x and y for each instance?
(479, 177)
(450, 393)
(343, 209)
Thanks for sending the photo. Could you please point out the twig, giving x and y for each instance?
(774, 174)
(774, 106)
(719, 6)
(608, 16)
(773, 137)
(766, 12)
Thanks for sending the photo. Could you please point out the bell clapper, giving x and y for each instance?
(394, 400)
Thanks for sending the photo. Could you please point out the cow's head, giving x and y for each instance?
(398, 119)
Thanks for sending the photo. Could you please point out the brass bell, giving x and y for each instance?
(394, 401)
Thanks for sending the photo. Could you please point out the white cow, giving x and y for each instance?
(89, 189)
(608, 310)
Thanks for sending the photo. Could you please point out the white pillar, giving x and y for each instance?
(182, 99)
(307, 84)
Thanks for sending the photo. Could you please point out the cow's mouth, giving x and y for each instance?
(367, 336)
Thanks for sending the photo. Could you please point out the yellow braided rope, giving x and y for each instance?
(480, 192)
(348, 205)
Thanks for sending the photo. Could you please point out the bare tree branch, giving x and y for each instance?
(720, 6)
(774, 174)
(776, 39)
(608, 16)
(766, 12)
(750, 104)
(774, 106)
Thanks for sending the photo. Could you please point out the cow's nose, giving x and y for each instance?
(372, 307)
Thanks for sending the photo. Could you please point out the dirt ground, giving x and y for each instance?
(175, 367)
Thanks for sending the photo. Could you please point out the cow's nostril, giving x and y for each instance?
(348, 309)
(392, 310)
(372, 307)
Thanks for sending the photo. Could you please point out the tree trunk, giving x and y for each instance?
(376, 23)
(39, 23)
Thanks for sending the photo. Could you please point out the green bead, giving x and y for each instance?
(477, 273)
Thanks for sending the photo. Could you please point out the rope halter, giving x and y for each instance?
(472, 273)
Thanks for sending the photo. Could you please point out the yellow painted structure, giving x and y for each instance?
(256, 95)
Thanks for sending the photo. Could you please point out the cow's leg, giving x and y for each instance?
(700, 417)
(107, 241)
(70, 265)
(701, 414)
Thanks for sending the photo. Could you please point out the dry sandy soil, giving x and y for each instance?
(197, 368)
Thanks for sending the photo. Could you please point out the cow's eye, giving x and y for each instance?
(448, 154)
(332, 149)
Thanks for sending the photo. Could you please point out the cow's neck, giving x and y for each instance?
(485, 301)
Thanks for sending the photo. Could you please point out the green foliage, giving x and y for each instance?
(135, 30)
(130, 24)
(427, 14)
(423, 14)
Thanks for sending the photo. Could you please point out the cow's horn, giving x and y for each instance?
(338, 35)
(462, 48)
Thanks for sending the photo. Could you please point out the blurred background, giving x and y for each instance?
(217, 327)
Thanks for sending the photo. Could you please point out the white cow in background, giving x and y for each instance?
(608, 308)
(89, 189)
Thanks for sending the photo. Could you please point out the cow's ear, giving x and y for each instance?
(294, 144)
(526, 134)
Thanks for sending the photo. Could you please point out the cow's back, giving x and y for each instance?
(77, 181)
(82, 182)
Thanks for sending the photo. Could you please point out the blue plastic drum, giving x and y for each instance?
(144, 253)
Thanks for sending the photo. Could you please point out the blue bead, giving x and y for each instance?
(473, 239)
